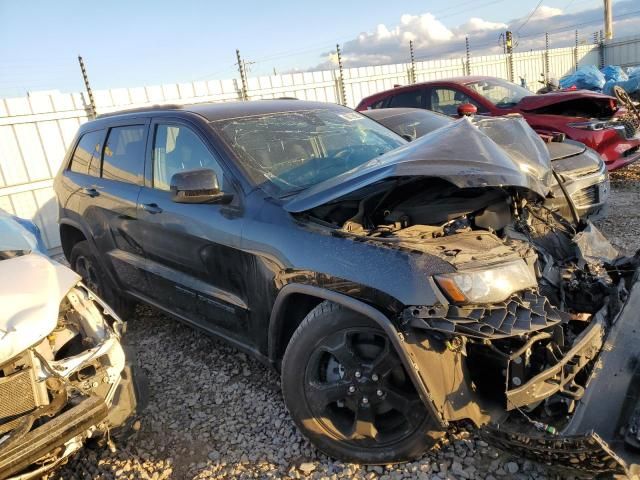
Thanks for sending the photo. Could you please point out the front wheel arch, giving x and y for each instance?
(380, 319)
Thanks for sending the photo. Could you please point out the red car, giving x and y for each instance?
(588, 117)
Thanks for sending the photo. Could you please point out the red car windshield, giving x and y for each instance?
(501, 93)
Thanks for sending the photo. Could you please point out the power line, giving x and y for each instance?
(529, 17)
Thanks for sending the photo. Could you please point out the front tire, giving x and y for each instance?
(348, 392)
(85, 264)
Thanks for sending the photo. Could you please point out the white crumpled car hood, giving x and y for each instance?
(31, 289)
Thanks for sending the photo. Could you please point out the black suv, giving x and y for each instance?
(400, 288)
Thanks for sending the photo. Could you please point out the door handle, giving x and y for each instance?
(90, 191)
(152, 208)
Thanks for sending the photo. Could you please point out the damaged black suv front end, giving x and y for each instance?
(550, 372)
(532, 337)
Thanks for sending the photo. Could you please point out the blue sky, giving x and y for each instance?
(130, 43)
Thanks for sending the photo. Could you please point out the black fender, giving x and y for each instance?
(396, 337)
(89, 237)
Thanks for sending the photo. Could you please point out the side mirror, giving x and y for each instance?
(197, 186)
(467, 110)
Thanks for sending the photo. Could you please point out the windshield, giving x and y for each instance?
(286, 152)
(15, 239)
(501, 93)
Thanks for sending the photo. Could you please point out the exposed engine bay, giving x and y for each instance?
(522, 355)
(72, 385)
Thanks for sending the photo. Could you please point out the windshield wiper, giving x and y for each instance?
(290, 193)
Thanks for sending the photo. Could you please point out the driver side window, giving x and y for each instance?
(447, 100)
(177, 148)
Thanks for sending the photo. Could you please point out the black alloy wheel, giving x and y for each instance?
(349, 393)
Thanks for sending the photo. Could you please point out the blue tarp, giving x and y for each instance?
(631, 86)
(587, 77)
(633, 72)
(615, 73)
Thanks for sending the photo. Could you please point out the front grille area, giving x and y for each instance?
(18, 396)
(586, 196)
(522, 313)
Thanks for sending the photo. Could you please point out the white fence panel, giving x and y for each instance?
(623, 51)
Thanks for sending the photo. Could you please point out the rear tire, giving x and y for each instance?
(85, 264)
(348, 392)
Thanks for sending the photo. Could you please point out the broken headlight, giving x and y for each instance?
(490, 285)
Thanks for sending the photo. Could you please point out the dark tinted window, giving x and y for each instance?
(123, 157)
(177, 148)
(378, 104)
(412, 99)
(88, 153)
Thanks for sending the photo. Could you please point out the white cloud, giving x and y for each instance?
(546, 12)
(387, 44)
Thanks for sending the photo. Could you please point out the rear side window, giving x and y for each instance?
(86, 157)
(123, 157)
(412, 99)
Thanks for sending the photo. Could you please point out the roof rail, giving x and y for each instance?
(150, 108)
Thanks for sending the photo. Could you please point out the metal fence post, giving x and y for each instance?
(575, 53)
(601, 47)
(468, 56)
(412, 73)
(342, 91)
(546, 58)
(85, 77)
(244, 94)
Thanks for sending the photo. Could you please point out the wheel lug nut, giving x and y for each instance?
(379, 393)
(358, 374)
(374, 377)
(352, 389)
(365, 400)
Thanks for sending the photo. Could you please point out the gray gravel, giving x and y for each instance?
(215, 413)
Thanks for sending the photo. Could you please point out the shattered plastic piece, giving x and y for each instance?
(593, 247)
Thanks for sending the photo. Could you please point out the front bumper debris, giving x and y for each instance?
(52, 435)
(602, 435)
(597, 380)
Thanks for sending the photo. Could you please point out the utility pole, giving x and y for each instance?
(85, 77)
(244, 94)
(608, 19)
(412, 73)
(468, 56)
(342, 91)
(508, 43)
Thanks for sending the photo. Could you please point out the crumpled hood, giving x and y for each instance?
(534, 102)
(32, 288)
(464, 153)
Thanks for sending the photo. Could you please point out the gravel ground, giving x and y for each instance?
(215, 413)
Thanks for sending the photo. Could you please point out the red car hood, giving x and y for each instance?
(534, 102)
